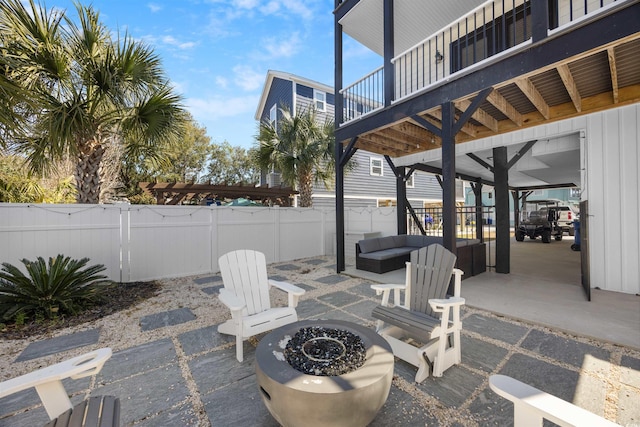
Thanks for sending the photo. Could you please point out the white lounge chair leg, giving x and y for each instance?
(423, 367)
(54, 398)
(239, 348)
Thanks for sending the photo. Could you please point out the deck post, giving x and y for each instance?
(448, 177)
(503, 237)
(340, 254)
(388, 69)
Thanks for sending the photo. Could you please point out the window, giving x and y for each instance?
(320, 100)
(375, 166)
(410, 181)
(273, 115)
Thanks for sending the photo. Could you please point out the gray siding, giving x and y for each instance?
(360, 183)
(280, 94)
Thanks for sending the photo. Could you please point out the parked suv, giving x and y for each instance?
(540, 218)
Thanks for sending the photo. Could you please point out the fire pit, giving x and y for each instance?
(324, 373)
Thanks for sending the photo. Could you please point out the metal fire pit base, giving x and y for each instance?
(297, 399)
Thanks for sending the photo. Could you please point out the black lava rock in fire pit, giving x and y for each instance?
(325, 351)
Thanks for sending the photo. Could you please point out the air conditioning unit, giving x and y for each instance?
(274, 179)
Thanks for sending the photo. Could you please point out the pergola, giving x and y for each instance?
(175, 193)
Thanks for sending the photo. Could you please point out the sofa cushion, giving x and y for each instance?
(387, 253)
(387, 242)
(369, 245)
(414, 240)
(399, 241)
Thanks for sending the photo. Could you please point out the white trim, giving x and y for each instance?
(271, 74)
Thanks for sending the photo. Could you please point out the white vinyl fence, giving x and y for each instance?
(145, 242)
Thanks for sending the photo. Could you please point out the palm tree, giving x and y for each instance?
(300, 148)
(84, 89)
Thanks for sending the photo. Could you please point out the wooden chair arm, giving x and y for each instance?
(48, 381)
(385, 290)
(531, 405)
(232, 302)
(439, 305)
(294, 291)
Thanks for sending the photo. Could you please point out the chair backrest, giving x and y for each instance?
(244, 273)
(431, 271)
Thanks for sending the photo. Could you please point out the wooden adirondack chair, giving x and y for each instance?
(96, 411)
(427, 315)
(246, 294)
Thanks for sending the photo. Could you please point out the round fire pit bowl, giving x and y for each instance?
(325, 347)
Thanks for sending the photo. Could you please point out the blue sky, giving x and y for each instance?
(217, 52)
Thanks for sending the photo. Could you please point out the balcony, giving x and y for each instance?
(493, 31)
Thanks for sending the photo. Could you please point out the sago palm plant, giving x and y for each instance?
(57, 287)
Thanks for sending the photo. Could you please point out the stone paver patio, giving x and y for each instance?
(193, 378)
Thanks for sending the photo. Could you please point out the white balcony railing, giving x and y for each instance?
(493, 28)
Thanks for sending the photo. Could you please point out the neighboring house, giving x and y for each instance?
(371, 182)
(517, 95)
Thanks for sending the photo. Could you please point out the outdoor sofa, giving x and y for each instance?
(384, 254)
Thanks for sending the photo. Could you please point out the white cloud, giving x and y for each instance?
(221, 107)
(222, 82)
(154, 7)
(284, 47)
(172, 41)
(247, 78)
(246, 4)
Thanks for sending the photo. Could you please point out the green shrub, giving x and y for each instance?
(51, 289)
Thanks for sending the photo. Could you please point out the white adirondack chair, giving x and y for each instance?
(48, 383)
(531, 406)
(427, 316)
(246, 294)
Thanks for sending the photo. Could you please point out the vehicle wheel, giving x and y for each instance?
(519, 236)
(558, 237)
(546, 236)
(572, 232)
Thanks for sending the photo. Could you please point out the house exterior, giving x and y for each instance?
(517, 95)
(370, 182)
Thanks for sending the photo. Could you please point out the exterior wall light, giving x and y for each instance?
(439, 57)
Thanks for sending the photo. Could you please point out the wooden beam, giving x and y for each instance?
(501, 103)
(570, 85)
(534, 96)
(614, 73)
(479, 115)
(469, 129)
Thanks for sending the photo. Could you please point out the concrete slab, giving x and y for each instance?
(224, 408)
(494, 328)
(207, 280)
(184, 416)
(314, 261)
(559, 348)
(212, 290)
(339, 298)
(481, 355)
(221, 368)
(287, 267)
(332, 279)
(148, 393)
(134, 360)
(452, 390)
(59, 344)
(167, 318)
(402, 409)
(311, 308)
(203, 339)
